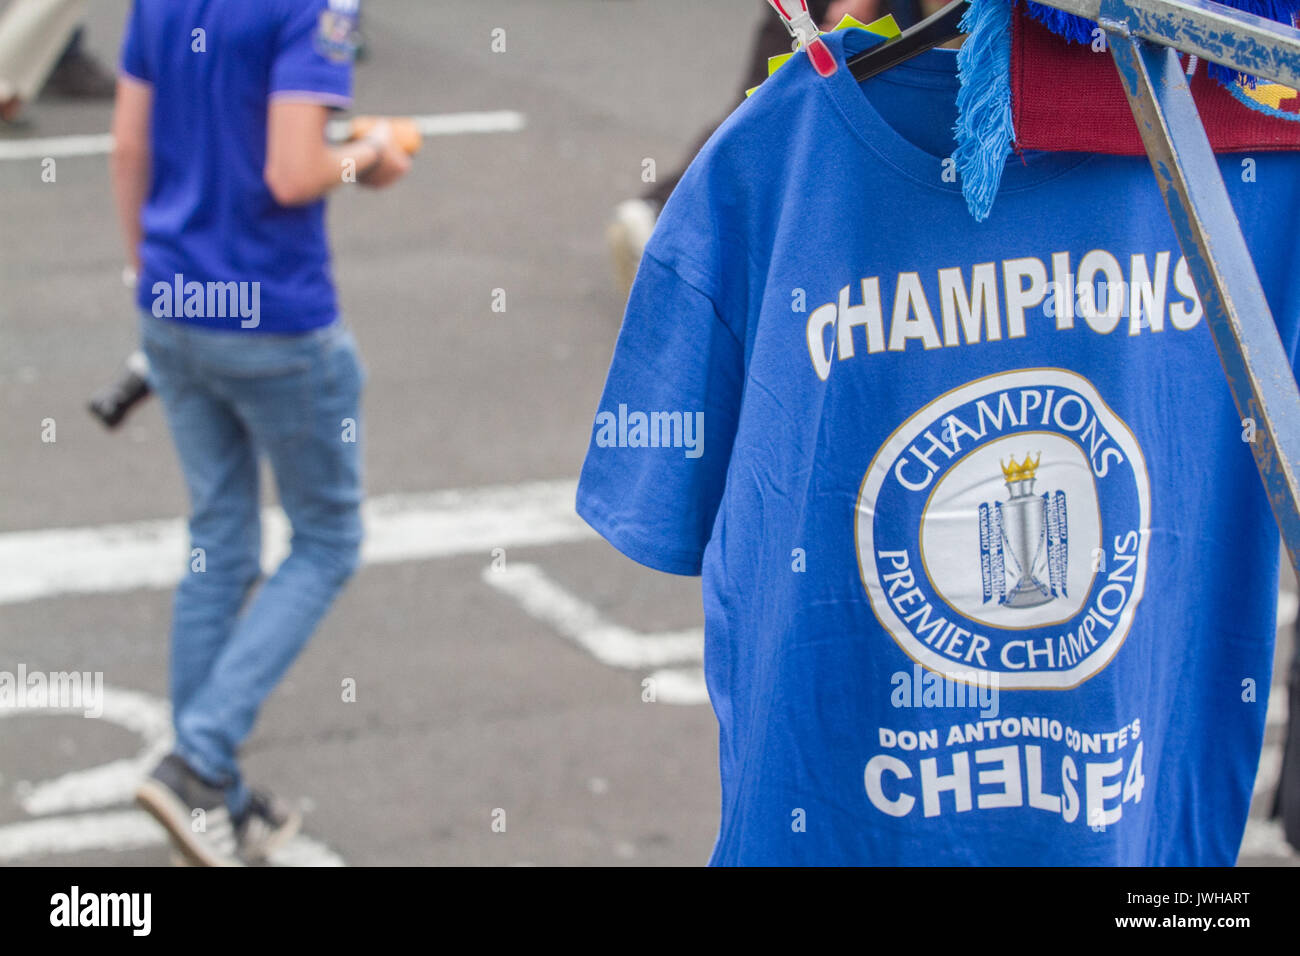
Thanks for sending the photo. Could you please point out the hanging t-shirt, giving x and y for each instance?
(989, 576)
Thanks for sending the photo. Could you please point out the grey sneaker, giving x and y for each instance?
(193, 813)
(267, 825)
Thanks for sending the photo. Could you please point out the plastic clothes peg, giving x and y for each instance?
(800, 24)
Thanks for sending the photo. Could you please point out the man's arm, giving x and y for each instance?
(130, 159)
(301, 167)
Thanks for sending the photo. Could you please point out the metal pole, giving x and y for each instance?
(1259, 373)
(1211, 31)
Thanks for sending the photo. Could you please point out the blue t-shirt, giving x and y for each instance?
(989, 576)
(218, 250)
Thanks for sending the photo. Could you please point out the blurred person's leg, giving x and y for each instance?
(79, 75)
(33, 36)
(219, 464)
(299, 398)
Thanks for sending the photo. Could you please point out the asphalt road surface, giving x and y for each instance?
(498, 651)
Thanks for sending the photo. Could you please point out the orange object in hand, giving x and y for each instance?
(405, 132)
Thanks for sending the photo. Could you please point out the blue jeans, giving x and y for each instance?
(231, 398)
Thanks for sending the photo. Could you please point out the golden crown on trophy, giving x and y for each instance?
(1022, 472)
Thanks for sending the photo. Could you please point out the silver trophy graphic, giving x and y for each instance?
(1023, 541)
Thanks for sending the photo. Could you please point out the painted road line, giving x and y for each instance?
(449, 124)
(56, 147)
(122, 830)
(611, 644)
(110, 785)
(581, 623)
(460, 124)
(100, 144)
(153, 554)
(680, 685)
(116, 830)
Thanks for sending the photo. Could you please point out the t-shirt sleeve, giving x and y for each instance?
(314, 52)
(661, 442)
(132, 61)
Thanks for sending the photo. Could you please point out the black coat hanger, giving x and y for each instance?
(926, 35)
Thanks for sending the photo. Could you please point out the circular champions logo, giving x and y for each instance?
(1002, 531)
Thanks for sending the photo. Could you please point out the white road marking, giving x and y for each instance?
(450, 124)
(56, 147)
(457, 124)
(100, 144)
(153, 554)
(302, 850)
(110, 785)
(680, 685)
(611, 644)
(577, 620)
(116, 830)
(119, 830)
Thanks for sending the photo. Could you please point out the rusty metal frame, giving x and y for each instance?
(1144, 37)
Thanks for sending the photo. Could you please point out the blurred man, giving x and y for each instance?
(41, 46)
(220, 167)
(634, 219)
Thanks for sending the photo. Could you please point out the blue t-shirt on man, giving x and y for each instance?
(989, 576)
(218, 250)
